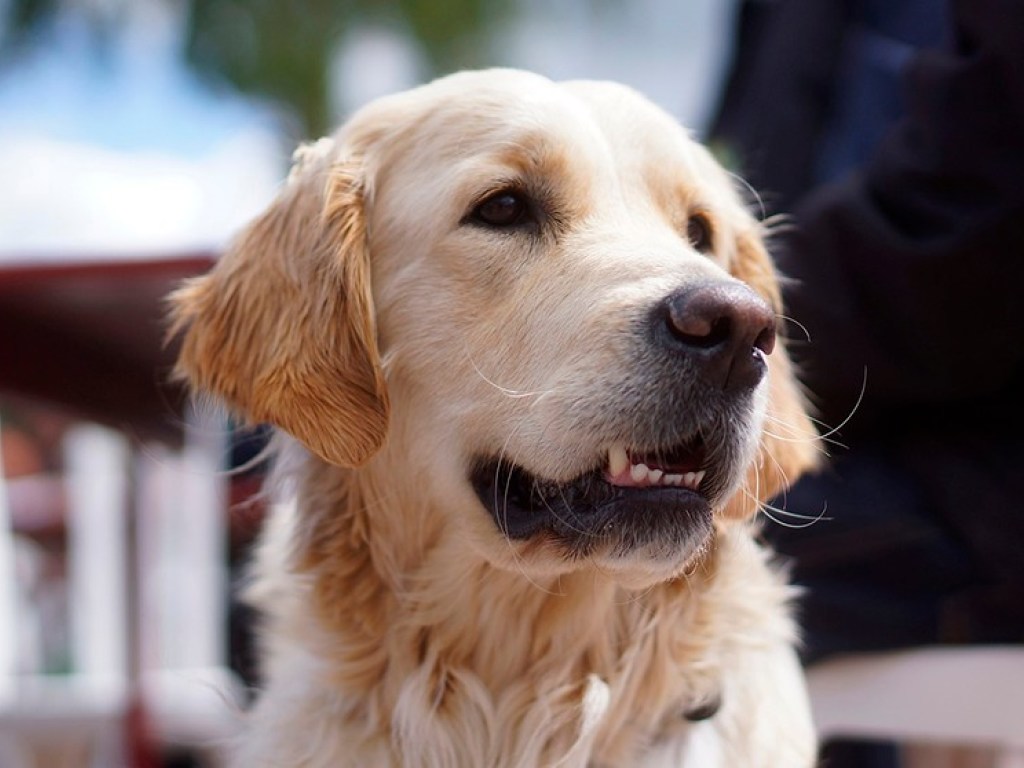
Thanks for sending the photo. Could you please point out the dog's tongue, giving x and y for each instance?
(628, 470)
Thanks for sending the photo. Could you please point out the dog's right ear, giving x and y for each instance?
(282, 329)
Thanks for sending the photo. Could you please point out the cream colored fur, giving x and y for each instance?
(396, 343)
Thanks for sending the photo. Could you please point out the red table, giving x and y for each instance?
(88, 335)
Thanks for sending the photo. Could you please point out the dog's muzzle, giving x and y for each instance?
(685, 442)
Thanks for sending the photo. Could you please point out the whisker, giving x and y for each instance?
(796, 435)
(797, 323)
(770, 511)
(502, 456)
(830, 431)
(776, 223)
(801, 439)
(798, 516)
(781, 471)
(856, 406)
(561, 495)
(755, 195)
(511, 393)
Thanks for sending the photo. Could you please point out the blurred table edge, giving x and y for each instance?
(88, 335)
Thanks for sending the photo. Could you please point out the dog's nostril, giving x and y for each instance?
(765, 340)
(724, 328)
(698, 331)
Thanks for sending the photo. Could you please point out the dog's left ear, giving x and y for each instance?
(789, 441)
(282, 329)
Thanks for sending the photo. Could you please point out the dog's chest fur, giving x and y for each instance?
(422, 654)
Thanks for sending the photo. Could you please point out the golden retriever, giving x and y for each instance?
(522, 337)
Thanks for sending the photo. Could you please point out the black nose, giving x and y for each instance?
(724, 328)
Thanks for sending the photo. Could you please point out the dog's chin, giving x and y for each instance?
(628, 523)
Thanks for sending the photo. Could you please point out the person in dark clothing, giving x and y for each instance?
(893, 131)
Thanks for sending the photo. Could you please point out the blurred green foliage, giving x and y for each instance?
(283, 49)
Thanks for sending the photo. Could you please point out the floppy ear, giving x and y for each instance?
(282, 329)
(789, 441)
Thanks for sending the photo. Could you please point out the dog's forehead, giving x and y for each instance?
(646, 141)
(629, 122)
(516, 114)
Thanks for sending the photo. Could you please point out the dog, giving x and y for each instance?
(519, 339)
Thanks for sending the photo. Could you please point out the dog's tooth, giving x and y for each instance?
(617, 460)
(638, 472)
(672, 480)
(690, 480)
(698, 478)
(654, 475)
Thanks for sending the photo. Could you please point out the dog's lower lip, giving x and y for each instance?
(589, 509)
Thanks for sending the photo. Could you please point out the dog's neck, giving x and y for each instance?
(413, 623)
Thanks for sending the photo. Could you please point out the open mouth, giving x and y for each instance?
(634, 498)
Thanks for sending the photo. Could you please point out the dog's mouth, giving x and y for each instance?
(659, 498)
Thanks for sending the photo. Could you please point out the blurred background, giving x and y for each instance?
(165, 124)
(135, 137)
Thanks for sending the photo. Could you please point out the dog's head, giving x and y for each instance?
(544, 300)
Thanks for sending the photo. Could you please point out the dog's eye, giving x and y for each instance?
(698, 232)
(504, 209)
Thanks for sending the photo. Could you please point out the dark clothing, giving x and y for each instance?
(908, 267)
(816, 85)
